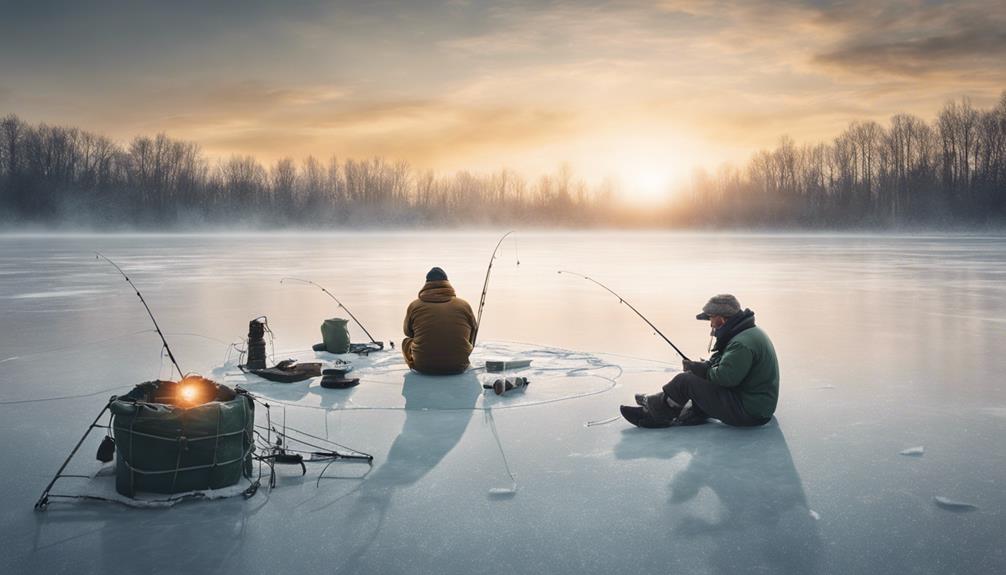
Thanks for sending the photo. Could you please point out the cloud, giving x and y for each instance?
(960, 51)
(912, 40)
(434, 134)
(525, 83)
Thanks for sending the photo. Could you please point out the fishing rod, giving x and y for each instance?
(485, 287)
(147, 307)
(329, 294)
(622, 300)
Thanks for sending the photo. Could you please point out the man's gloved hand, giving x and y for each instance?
(699, 368)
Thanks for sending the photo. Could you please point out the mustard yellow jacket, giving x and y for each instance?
(441, 325)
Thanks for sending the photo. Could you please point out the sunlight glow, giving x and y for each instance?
(648, 164)
(647, 184)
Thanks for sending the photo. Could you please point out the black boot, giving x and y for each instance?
(656, 410)
(639, 417)
(690, 415)
(658, 405)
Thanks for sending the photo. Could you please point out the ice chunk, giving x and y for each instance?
(954, 505)
(917, 451)
(815, 515)
(502, 492)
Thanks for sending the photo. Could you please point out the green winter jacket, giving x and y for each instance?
(748, 365)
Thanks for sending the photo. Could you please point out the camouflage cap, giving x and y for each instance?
(725, 305)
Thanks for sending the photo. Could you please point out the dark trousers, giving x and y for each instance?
(713, 400)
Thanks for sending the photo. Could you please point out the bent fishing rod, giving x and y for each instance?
(329, 294)
(147, 307)
(485, 287)
(622, 300)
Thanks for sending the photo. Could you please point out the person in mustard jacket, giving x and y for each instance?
(438, 328)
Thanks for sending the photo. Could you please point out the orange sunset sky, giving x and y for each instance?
(639, 91)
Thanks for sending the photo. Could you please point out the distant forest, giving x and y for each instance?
(910, 173)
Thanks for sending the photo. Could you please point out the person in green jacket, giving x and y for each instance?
(739, 385)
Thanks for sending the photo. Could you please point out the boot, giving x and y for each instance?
(655, 411)
(658, 405)
(690, 415)
(639, 417)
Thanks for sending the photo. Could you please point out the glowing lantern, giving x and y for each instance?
(192, 391)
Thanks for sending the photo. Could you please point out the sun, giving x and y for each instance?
(646, 183)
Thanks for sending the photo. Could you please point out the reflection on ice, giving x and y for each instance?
(738, 485)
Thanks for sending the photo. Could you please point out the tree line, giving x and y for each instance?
(54, 174)
(910, 172)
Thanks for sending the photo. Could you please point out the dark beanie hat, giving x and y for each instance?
(436, 275)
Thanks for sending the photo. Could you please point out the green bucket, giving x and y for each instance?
(335, 334)
(163, 446)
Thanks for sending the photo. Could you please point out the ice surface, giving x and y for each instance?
(903, 333)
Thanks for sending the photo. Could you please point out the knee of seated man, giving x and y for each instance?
(682, 382)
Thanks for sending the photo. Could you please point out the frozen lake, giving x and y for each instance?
(885, 343)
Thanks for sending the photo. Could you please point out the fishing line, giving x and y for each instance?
(242, 353)
(612, 383)
(199, 335)
(160, 368)
(309, 444)
(273, 451)
(100, 391)
(506, 463)
(485, 286)
(59, 398)
(595, 363)
(317, 482)
(607, 353)
(329, 294)
(147, 307)
(602, 421)
(78, 345)
(636, 311)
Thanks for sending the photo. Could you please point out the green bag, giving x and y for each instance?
(162, 446)
(335, 334)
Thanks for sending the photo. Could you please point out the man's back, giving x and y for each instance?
(757, 384)
(440, 326)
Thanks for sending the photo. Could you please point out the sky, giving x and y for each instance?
(641, 92)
